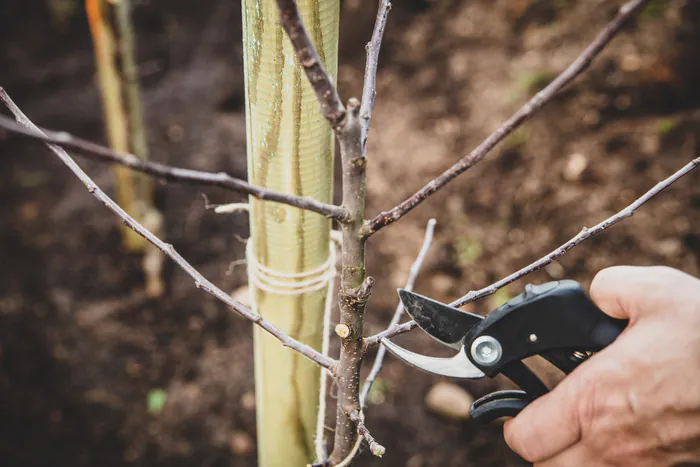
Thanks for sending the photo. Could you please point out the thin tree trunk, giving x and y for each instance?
(114, 46)
(290, 149)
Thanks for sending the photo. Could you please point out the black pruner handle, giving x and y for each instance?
(556, 320)
(498, 404)
(509, 403)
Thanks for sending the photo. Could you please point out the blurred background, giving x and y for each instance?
(93, 372)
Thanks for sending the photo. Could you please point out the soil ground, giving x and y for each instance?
(81, 346)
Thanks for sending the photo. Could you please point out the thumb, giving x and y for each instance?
(631, 292)
(548, 425)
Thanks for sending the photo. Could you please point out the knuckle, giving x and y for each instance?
(620, 452)
(604, 403)
(589, 406)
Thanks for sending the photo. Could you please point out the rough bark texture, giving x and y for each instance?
(354, 287)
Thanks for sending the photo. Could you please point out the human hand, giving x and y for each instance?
(637, 402)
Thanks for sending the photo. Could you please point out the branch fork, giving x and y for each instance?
(577, 67)
(200, 281)
(164, 172)
(350, 124)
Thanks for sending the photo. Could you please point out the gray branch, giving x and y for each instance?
(104, 154)
(584, 234)
(521, 116)
(331, 106)
(369, 89)
(410, 283)
(354, 285)
(376, 448)
(200, 281)
(581, 236)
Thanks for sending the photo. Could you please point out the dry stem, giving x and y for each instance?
(104, 154)
(331, 105)
(354, 287)
(369, 89)
(584, 234)
(376, 448)
(200, 281)
(410, 283)
(521, 116)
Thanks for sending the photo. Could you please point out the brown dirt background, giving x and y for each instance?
(81, 346)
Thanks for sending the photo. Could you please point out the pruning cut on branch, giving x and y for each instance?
(350, 124)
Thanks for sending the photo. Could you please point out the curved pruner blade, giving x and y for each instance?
(442, 322)
(458, 366)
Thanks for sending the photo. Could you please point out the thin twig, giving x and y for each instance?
(100, 153)
(413, 274)
(584, 234)
(390, 332)
(331, 106)
(581, 236)
(528, 110)
(376, 448)
(369, 89)
(200, 281)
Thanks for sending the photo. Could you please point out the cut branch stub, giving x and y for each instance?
(354, 287)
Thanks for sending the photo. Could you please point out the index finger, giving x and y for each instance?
(547, 426)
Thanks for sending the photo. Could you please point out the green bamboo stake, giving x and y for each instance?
(290, 149)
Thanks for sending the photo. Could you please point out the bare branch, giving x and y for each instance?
(200, 281)
(376, 448)
(104, 154)
(584, 234)
(410, 283)
(389, 333)
(331, 106)
(369, 89)
(528, 110)
(581, 236)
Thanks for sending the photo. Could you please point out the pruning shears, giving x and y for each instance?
(556, 320)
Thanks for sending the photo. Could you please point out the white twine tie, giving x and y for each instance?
(276, 282)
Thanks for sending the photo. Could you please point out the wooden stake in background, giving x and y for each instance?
(114, 44)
